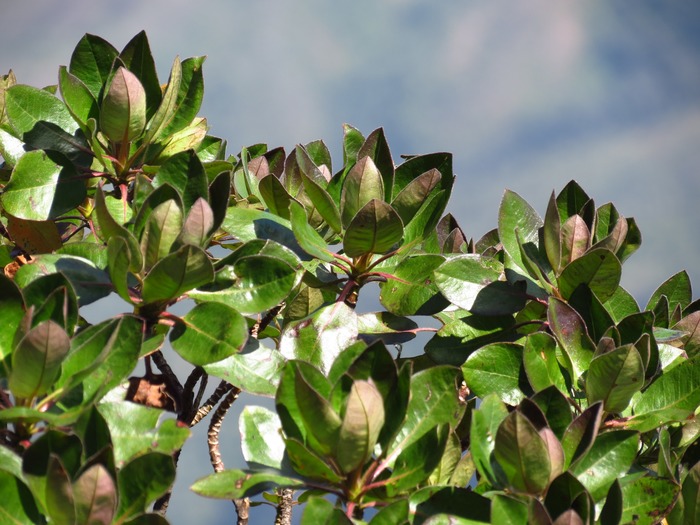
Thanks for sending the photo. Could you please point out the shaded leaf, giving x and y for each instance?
(599, 269)
(142, 480)
(179, 272)
(95, 496)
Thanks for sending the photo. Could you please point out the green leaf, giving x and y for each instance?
(95, 495)
(118, 266)
(230, 484)
(575, 239)
(463, 278)
(53, 298)
(92, 61)
(184, 172)
(362, 184)
(413, 292)
(506, 510)
(208, 333)
(275, 196)
(688, 509)
(123, 110)
(484, 425)
(247, 224)
(677, 290)
(496, 368)
(522, 454)
(77, 96)
(12, 307)
(410, 199)
(320, 419)
(260, 282)
(433, 402)
(320, 338)
(256, 369)
(376, 228)
(181, 271)
(540, 362)
(416, 166)
(610, 457)
(448, 505)
(59, 493)
(30, 109)
(581, 433)
(109, 227)
(570, 331)
(137, 57)
(261, 438)
(309, 464)
(386, 327)
(673, 396)
(135, 431)
(40, 189)
(614, 377)
(517, 218)
(376, 148)
(161, 230)
(361, 424)
(415, 464)
(36, 361)
(17, 505)
(551, 235)
(141, 481)
(621, 304)
(90, 282)
(393, 514)
(103, 354)
(308, 238)
(599, 269)
(319, 511)
(646, 501)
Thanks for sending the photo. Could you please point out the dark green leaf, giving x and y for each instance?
(415, 464)
(446, 505)
(308, 238)
(506, 510)
(12, 307)
(540, 361)
(36, 362)
(275, 196)
(187, 92)
(96, 495)
(17, 505)
(599, 269)
(580, 434)
(123, 109)
(162, 228)
(362, 184)
(416, 166)
(551, 235)
(109, 227)
(413, 292)
(137, 57)
(260, 282)
(573, 338)
(609, 458)
(673, 396)
(614, 377)
(142, 480)
(184, 172)
(676, 289)
(208, 333)
(309, 464)
(462, 278)
(179, 272)
(79, 100)
(496, 368)
(516, 218)
(319, 511)
(410, 199)
(92, 61)
(376, 228)
(377, 148)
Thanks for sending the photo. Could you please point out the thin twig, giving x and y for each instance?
(284, 507)
(171, 380)
(242, 505)
(221, 390)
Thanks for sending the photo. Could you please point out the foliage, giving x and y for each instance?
(546, 395)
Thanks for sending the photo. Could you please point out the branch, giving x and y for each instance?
(284, 507)
(242, 505)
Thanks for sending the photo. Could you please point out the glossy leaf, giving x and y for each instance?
(142, 480)
(12, 307)
(676, 289)
(410, 199)
(309, 464)
(416, 166)
(184, 172)
(261, 438)
(137, 57)
(162, 228)
(646, 501)
(377, 148)
(522, 454)
(30, 109)
(413, 292)
(95, 496)
(260, 282)
(581, 433)
(415, 464)
(255, 369)
(551, 235)
(17, 506)
(189, 92)
(433, 402)
(362, 184)
(376, 228)
(40, 189)
(506, 510)
(463, 278)
(308, 238)
(123, 110)
(179, 272)
(516, 218)
(77, 96)
(230, 484)
(673, 396)
(208, 333)
(575, 239)
(134, 429)
(540, 362)
(319, 511)
(320, 338)
(609, 458)
(361, 424)
(109, 227)
(570, 331)
(36, 361)
(275, 196)
(496, 368)
(614, 377)
(598, 269)
(92, 61)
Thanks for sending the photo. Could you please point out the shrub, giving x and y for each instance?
(546, 395)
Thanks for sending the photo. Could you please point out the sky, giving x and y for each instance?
(526, 95)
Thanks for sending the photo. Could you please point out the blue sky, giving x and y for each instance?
(526, 95)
